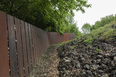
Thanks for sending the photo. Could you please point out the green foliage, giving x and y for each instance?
(49, 15)
(71, 26)
(86, 28)
(105, 32)
(98, 50)
(88, 40)
(108, 34)
(103, 22)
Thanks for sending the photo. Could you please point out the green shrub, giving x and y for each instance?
(88, 40)
(98, 50)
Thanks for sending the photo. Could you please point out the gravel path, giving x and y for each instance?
(47, 65)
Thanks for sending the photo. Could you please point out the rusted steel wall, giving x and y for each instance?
(4, 62)
(12, 46)
(19, 47)
(55, 38)
(58, 38)
(27, 43)
(22, 44)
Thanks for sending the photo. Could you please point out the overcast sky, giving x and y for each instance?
(99, 9)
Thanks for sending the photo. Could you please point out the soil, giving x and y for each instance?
(47, 64)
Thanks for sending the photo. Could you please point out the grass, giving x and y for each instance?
(105, 32)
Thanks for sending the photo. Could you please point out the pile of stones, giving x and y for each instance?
(79, 60)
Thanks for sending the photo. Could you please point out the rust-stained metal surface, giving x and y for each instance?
(47, 40)
(58, 38)
(55, 38)
(27, 47)
(32, 39)
(34, 45)
(61, 37)
(24, 48)
(73, 36)
(49, 37)
(69, 36)
(38, 48)
(64, 37)
(26, 44)
(12, 47)
(30, 58)
(4, 63)
(41, 40)
(30, 46)
(19, 47)
(35, 48)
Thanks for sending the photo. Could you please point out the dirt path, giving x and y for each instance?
(47, 65)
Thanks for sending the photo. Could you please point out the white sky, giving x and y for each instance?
(99, 9)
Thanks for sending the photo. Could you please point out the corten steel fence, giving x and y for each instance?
(55, 38)
(22, 44)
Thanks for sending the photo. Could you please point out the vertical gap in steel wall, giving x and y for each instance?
(32, 46)
(36, 45)
(16, 46)
(8, 45)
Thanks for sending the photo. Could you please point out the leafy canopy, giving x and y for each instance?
(49, 15)
(103, 21)
(86, 28)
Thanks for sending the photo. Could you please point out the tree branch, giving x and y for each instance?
(11, 7)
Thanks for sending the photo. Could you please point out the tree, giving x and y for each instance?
(103, 21)
(71, 26)
(49, 15)
(86, 28)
